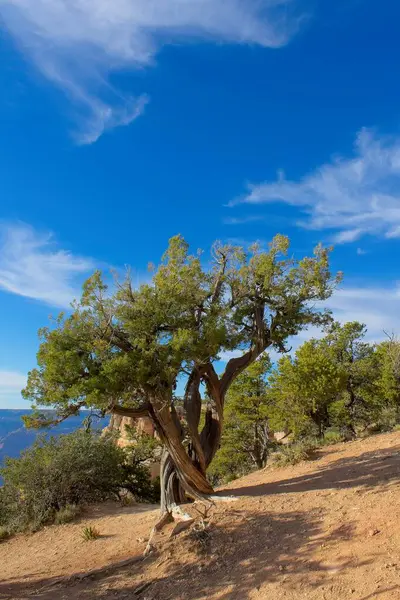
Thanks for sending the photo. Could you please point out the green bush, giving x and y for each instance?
(66, 514)
(90, 533)
(386, 419)
(333, 437)
(295, 453)
(71, 470)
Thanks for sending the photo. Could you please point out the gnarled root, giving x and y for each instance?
(182, 521)
(163, 520)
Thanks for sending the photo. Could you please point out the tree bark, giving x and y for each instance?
(182, 476)
(183, 468)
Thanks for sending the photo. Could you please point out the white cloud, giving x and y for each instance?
(12, 381)
(242, 220)
(376, 307)
(78, 43)
(348, 235)
(11, 384)
(31, 266)
(104, 117)
(354, 196)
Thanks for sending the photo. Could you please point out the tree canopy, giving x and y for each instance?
(125, 350)
(338, 380)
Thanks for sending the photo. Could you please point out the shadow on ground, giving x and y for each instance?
(369, 470)
(242, 551)
(241, 554)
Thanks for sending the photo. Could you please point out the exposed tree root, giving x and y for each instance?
(215, 499)
(163, 520)
(182, 519)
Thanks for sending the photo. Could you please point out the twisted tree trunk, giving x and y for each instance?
(188, 453)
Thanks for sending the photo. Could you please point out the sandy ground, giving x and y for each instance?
(327, 529)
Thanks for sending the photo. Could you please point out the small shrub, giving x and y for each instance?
(385, 421)
(126, 499)
(295, 453)
(33, 526)
(4, 534)
(90, 533)
(332, 437)
(66, 514)
(396, 427)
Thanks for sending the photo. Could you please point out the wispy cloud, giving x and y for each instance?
(31, 266)
(376, 307)
(242, 220)
(104, 117)
(354, 196)
(77, 43)
(11, 383)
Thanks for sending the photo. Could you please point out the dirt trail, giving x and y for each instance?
(328, 529)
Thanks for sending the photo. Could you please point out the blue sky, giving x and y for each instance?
(123, 123)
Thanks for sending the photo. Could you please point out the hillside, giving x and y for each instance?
(322, 530)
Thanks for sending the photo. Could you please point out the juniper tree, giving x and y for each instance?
(329, 381)
(302, 389)
(125, 351)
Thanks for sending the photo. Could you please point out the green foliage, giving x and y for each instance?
(143, 451)
(54, 475)
(332, 389)
(388, 354)
(66, 514)
(4, 534)
(333, 437)
(302, 388)
(135, 344)
(145, 448)
(89, 534)
(296, 452)
(245, 441)
(333, 381)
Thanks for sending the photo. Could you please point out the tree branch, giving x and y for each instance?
(220, 279)
(192, 405)
(39, 420)
(261, 342)
(135, 413)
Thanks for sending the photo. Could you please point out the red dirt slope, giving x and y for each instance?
(328, 529)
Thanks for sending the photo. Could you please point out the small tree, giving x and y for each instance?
(125, 352)
(303, 388)
(388, 354)
(245, 442)
(330, 381)
(357, 361)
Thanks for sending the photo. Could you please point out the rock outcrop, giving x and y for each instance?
(144, 426)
